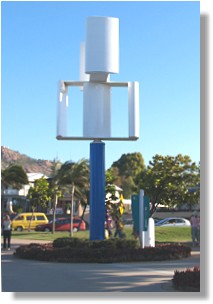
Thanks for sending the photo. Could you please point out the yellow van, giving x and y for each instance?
(29, 219)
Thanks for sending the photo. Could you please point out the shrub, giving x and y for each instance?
(188, 280)
(106, 251)
(85, 243)
(70, 242)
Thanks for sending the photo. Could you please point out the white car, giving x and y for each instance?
(173, 222)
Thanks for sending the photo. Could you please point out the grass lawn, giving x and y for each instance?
(173, 234)
(162, 234)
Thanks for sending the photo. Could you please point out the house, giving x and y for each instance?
(18, 198)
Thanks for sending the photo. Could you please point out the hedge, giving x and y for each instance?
(108, 251)
(187, 280)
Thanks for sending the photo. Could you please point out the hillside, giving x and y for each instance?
(29, 164)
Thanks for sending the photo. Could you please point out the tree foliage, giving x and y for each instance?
(75, 176)
(40, 194)
(125, 170)
(169, 181)
(14, 176)
(130, 164)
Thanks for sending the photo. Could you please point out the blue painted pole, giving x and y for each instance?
(97, 190)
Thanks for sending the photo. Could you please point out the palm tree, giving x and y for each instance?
(75, 175)
(13, 176)
(55, 188)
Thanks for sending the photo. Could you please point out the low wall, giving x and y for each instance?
(164, 214)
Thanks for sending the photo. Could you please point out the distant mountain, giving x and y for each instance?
(30, 165)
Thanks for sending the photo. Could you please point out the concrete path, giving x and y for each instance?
(33, 276)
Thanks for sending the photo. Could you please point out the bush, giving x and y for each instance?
(106, 251)
(70, 242)
(188, 280)
(85, 243)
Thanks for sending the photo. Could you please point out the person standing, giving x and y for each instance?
(195, 229)
(119, 228)
(108, 223)
(6, 227)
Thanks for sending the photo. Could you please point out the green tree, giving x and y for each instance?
(168, 180)
(76, 177)
(130, 164)
(15, 177)
(39, 195)
(117, 179)
(128, 186)
(125, 171)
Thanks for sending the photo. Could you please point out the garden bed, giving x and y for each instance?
(71, 250)
(188, 280)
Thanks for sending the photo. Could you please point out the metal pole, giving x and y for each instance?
(97, 190)
(141, 218)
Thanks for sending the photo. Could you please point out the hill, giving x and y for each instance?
(30, 165)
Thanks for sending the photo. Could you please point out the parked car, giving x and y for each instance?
(156, 220)
(28, 219)
(173, 222)
(63, 224)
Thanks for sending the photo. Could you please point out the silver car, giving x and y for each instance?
(173, 222)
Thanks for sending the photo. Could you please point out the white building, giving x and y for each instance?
(13, 196)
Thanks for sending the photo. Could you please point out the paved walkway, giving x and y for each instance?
(33, 276)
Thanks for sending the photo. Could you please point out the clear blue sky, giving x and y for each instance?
(159, 47)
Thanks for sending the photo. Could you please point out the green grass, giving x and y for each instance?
(47, 236)
(162, 234)
(172, 234)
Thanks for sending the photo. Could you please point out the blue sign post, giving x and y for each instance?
(146, 212)
(140, 215)
(136, 212)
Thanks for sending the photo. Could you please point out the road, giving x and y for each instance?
(33, 276)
